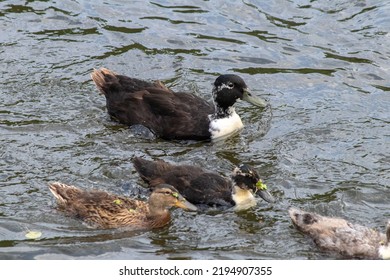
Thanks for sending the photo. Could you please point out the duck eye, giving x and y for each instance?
(230, 85)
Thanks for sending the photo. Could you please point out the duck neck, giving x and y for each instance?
(158, 217)
(221, 113)
(242, 197)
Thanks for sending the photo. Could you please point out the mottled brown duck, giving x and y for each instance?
(100, 209)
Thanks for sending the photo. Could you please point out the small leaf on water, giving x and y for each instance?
(33, 234)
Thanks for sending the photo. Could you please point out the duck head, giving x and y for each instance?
(165, 196)
(228, 88)
(246, 177)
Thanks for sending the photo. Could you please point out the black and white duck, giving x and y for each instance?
(174, 115)
(339, 235)
(202, 187)
(103, 210)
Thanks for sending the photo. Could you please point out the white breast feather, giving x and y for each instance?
(225, 126)
(243, 199)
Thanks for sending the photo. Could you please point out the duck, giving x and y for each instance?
(102, 210)
(203, 187)
(341, 236)
(174, 115)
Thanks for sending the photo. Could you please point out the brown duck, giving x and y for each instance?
(100, 209)
(174, 115)
(203, 187)
(341, 236)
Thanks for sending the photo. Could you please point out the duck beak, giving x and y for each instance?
(257, 101)
(261, 190)
(181, 202)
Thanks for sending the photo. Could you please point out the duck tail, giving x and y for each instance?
(62, 192)
(150, 170)
(103, 79)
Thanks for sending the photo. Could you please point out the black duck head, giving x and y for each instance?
(228, 88)
(246, 176)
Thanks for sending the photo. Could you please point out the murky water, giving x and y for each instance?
(322, 145)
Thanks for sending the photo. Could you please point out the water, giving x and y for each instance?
(321, 145)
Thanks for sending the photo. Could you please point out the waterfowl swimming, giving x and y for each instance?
(204, 187)
(338, 235)
(100, 209)
(174, 115)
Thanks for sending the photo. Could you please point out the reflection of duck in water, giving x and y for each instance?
(338, 235)
(204, 187)
(174, 115)
(103, 210)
